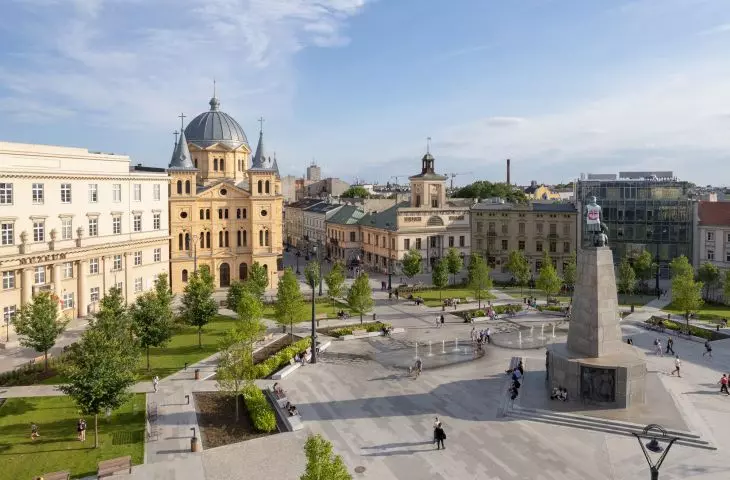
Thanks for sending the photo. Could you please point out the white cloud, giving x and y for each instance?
(136, 64)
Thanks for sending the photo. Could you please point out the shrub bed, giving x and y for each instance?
(32, 373)
(261, 412)
(682, 327)
(281, 358)
(510, 308)
(338, 332)
(551, 308)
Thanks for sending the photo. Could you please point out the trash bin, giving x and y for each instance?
(374, 317)
(194, 444)
(632, 308)
(197, 374)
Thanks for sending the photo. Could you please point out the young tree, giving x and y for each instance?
(198, 305)
(38, 324)
(412, 263)
(440, 275)
(519, 267)
(570, 273)
(164, 293)
(100, 370)
(355, 191)
(360, 295)
(687, 294)
(289, 306)
(681, 266)
(479, 280)
(548, 280)
(236, 369)
(258, 279)
(454, 263)
(709, 274)
(643, 266)
(152, 322)
(626, 276)
(322, 464)
(235, 292)
(726, 286)
(335, 281)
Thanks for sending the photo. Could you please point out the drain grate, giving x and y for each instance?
(360, 469)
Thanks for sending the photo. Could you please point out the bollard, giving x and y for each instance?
(197, 374)
(632, 308)
(194, 443)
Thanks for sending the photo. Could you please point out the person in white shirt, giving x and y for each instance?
(677, 364)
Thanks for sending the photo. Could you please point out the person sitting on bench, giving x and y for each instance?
(291, 409)
(278, 391)
(563, 394)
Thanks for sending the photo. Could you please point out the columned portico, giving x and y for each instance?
(26, 286)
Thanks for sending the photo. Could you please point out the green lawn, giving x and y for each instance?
(319, 308)
(710, 313)
(636, 299)
(432, 299)
(58, 448)
(519, 294)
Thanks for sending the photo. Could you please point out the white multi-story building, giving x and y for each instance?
(78, 223)
(712, 234)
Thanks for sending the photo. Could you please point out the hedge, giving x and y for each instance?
(261, 413)
(510, 308)
(281, 359)
(682, 327)
(31, 373)
(368, 327)
(551, 308)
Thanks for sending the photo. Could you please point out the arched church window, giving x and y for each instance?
(179, 187)
(202, 214)
(266, 238)
(185, 276)
(245, 238)
(180, 241)
(207, 239)
(215, 164)
(226, 238)
(207, 213)
(220, 238)
(223, 164)
(261, 184)
(187, 187)
(267, 186)
(261, 238)
(238, 238)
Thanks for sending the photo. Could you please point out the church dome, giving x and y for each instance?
(213, 127)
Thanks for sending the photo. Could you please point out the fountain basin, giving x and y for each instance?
(437, 358)
(527, 342)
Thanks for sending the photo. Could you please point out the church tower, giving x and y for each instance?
(427, 188)
(181, 169)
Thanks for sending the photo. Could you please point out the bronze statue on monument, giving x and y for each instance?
(594, 225)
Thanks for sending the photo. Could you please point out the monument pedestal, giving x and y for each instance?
(595, 365)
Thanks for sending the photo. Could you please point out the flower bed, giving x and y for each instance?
(280, 359)
(682, 328)
(338, 332)
(261, 412)
(509, 309)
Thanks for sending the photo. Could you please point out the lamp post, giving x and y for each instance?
(655, 434)
(313, 284)
(656, 286)
(317, 251)
(7, 329)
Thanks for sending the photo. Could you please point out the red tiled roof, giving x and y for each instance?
(714, 213)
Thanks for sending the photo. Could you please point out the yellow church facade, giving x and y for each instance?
(225, 205)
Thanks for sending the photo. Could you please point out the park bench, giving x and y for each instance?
(293, 423)
(108, 468)
(56, 476)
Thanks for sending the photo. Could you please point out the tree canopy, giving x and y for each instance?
(258, 279)
(479, 280)
(335, 281)
(643, 266)
(681, 266)
(38, 324)
(548, 280)
(355, 191)
(486, 189)
(440, 276)
(412, 263)
(198, 305)
(519, 267)
(570, 272)
(360, 295)
(152, 318)
(289, 306)
(686, 294)
(454, 263)
(626, 276)
(322, 463)
(709, 274)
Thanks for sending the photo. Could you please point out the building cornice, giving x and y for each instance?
(81, 176)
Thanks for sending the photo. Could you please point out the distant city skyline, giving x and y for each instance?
(558, 86)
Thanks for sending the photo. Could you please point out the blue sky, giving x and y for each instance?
(560, 87)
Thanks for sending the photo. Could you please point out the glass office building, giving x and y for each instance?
(643, 211)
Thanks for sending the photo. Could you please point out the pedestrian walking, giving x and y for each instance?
(488, 334)
(34, 431)
(670, 346)
(440, 436)
(81, 429)
(436, 424)
(677, 364)
(438, 321)
(658, 347)
(442, 319)
(723, 384)
(155, 382)
(473, 334)
(708, 349)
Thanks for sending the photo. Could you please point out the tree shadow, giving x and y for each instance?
(15, 406)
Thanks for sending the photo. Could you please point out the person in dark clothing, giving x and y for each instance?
(670, 345)
(440, 436)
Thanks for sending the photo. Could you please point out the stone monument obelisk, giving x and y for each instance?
(595, 365)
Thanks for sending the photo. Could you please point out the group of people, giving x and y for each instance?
(293, 412)
(80, 430)
(481, 337)
(516, 374)
(451, 302)
(559, 393)
(440, 321)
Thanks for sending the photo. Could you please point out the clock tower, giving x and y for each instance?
(427, 188)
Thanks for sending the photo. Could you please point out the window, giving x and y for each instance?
(505, 244)
(68, 300)
(93, 193)
(39, 231)
(8, 280)
(37, 193)
(521, 228)
(120, 286)
(138, 285)
(553, 229)
(492, 227)
(94, 294)
(116, 225)
(65, 193)
(9, 313)
(117, 263)
(553, 247)
(521, 245)
(710, 254)
(418, 244)
(480, 243)
(187, 187)
(238, 213)
(157, 255)
(117, 192)
(220, 214)
(352, 237)
(539, 227)
(566, 229)
(7, 233)
(138, 223)
(244, 214)
(39, 275)
(202, 214)
(727, 257)
(184, 275)
(505, 229)
(93, 266)
(566, 247)
(137, 259)
(179, 187)
(68, 270)
(66, 229)
(215, 164)
(538, 246)
(728, 238)
(225, 214)
(156, 191)
(137, 192)
(710, 235)
(6, 193)
(156, 221)
(451, 241)
(93, 227)
(462, 241)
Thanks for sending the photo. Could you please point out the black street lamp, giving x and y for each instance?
(318, 251)
(390, 274)
(313, 284)
(656, 261)
(299, 254)
(655, 434)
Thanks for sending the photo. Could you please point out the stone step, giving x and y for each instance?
(600, 425)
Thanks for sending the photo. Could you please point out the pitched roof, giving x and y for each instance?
(260, 161)
(181, 159)
(714, 213)
(322, 207)
(347, 215)
(385, 220)
(559, 207)
(304, 203)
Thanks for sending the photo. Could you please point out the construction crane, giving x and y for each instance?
(452, 175)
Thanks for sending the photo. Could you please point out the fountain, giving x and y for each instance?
(553, 330)
(430, 353)
(532, 328)
(456, 345)
(403, 357)
(443, 346)
(416, 350)
(542, 331)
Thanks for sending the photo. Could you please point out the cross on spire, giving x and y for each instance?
(261, 123)
(428, 144)
(182, 121)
